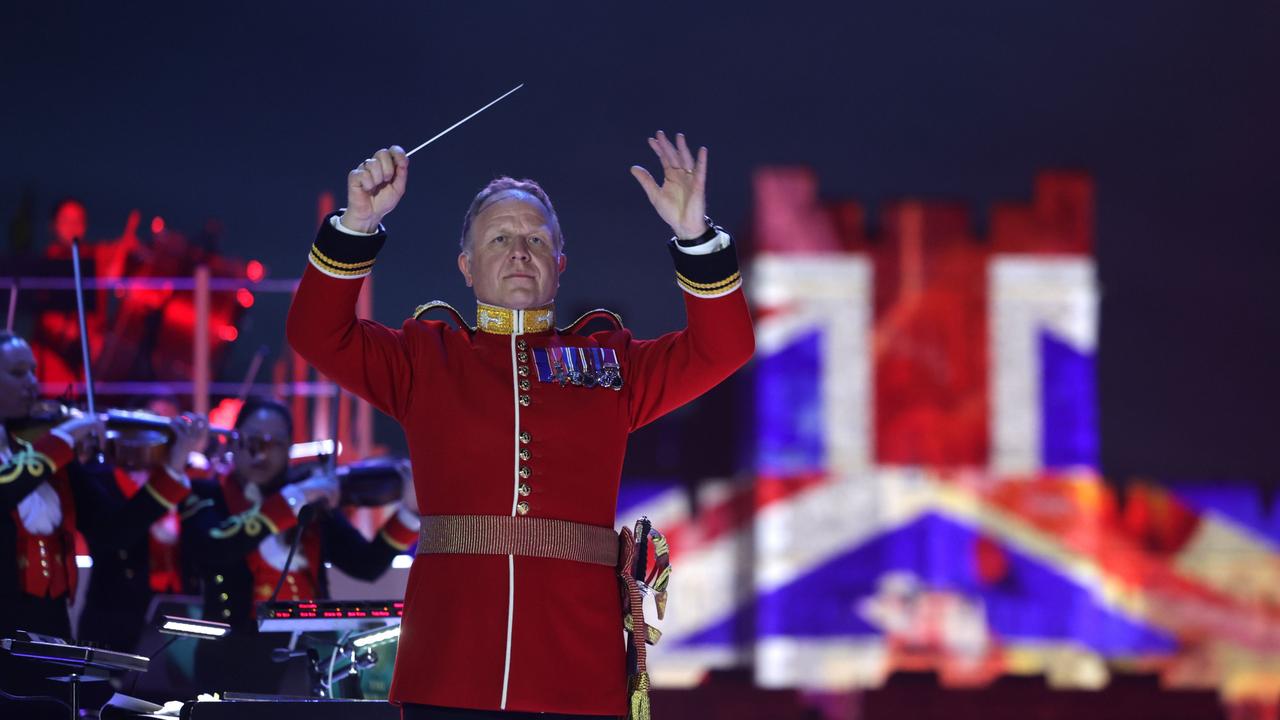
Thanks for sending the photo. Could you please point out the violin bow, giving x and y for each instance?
(84, 334)
(252, 374)
(13, 305)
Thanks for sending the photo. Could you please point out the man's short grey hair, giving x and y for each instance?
(490, 194)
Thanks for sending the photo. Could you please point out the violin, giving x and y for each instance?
(372, 482)
(134, 440)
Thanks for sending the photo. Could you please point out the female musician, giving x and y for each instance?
(239, 528)
(41, 487)
(37, 519)
(37, 525)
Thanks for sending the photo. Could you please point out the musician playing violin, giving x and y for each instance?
(239, 526)
(45, 496)
(119, 512)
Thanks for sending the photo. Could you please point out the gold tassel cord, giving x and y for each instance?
(641, 633)
(640, 709)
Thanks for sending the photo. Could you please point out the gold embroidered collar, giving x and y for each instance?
(505, 321)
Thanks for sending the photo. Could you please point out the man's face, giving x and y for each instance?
(18, 386)
(513, 260)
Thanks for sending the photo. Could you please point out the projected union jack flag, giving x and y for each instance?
(925, 491)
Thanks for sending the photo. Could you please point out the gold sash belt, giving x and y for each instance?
(531, 537)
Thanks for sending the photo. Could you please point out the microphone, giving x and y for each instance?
(310, 511)
(284, 654)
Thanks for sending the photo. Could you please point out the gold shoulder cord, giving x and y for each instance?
(251, 521)
(27, 461)
(598, 314)
(427, 307)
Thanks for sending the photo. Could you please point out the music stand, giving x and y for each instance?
(87, 664)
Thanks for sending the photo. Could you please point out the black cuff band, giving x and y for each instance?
(344, 255)
(710, 275)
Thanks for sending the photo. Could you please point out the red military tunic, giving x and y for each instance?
(43, 564)
(486, 437)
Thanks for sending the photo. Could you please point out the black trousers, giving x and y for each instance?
(410, 711)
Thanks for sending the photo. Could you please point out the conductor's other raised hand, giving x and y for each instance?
(681, 199)
(374, 188)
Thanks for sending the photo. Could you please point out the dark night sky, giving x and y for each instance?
(246, 111)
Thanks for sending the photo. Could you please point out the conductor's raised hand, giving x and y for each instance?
(374, 188)
(681, 198)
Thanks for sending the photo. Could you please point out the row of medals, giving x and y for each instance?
(607, 376)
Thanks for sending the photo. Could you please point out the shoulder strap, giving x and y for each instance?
(456, 316)
(609, 316)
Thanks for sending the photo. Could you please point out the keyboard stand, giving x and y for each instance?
(87, 664)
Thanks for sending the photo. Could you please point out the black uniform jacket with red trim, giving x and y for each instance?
(486, 437)
(117, 530)
(107, 528)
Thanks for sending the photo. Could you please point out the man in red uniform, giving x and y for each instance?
(517, 432)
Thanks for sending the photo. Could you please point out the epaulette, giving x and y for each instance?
(585, 319)
(427, 307)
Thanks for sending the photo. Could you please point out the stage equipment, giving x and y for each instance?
(375, 637)
(313, 449)
(239, 706)
(86, 658)
(328, 615)
(86, 664)
(191, 627)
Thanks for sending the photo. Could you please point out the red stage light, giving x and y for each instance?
(254, 271)
(244, 297)
(157, 225)
(228, 333)
(224, 415)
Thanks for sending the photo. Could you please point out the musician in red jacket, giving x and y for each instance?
(45, 496)
(237, 529)
(517, 431)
